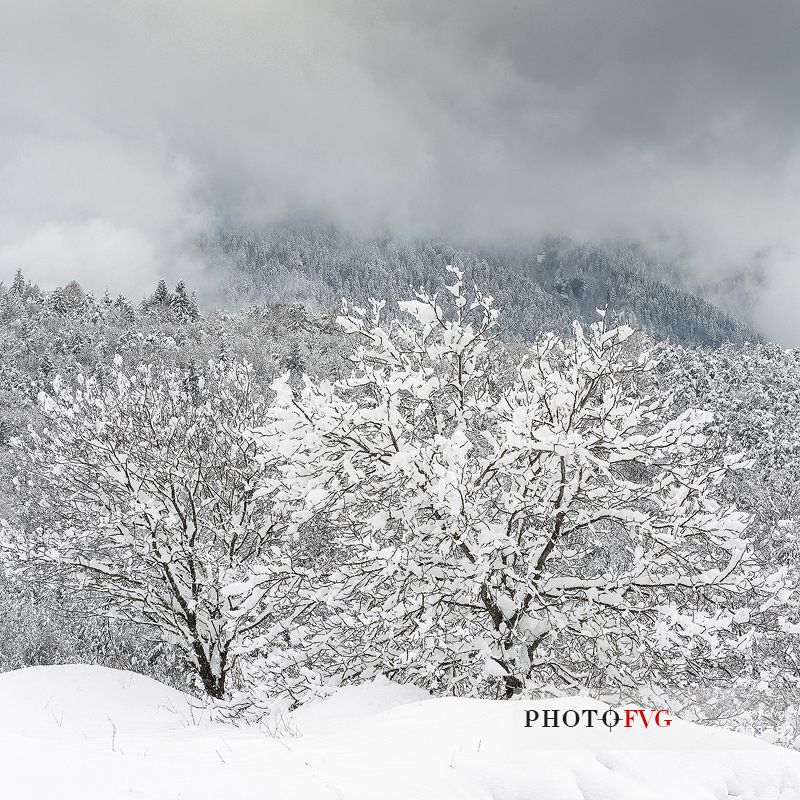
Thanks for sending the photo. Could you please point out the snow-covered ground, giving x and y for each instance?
(79, 733)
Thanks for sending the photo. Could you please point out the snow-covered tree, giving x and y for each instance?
(19, 284)
(183, 305)
(294, 359)
(501, 526)
(754, 394)
(57, 301)
(139, 493)
(161, 297)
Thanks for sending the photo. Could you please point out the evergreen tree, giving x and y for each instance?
(124, 307)
(57, 302)
(180, 303)
(194, 311)
(73, 294)
(18, 286)
(294, 361)
(161, 296)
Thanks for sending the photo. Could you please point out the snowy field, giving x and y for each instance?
(80, 732)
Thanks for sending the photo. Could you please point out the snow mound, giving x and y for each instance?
(89, 701)
(92, 733)
(352, 704)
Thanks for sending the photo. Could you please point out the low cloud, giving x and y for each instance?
(129, 127)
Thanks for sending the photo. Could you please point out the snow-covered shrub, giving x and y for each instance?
(503, 526)
(37, 628)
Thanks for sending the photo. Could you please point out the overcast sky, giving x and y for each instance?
(127, 127)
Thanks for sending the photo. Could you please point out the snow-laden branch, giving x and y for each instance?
(499, 521)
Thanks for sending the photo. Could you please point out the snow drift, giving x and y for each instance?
(81, 732)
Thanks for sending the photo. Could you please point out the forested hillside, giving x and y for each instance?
(538, 289)
(86, 358)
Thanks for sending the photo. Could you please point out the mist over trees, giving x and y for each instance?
(539, 288)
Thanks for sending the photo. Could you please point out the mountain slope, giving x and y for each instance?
(543, 288)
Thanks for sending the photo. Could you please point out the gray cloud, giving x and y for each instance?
(128, 126)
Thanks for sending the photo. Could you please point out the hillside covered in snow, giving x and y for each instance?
(107, 735)
(539, 287)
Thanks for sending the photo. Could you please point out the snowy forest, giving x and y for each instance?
(475, 495)
(539, 288)
(399, 400)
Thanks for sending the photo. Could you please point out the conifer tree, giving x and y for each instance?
(19, 284)
(161, 296)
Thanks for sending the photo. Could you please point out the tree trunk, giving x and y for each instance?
(513, 685)
(213, 683)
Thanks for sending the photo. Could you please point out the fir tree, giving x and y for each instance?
(294, 361)
(161, 296)
(19, 284)
(180, 303)
(194, 311)
(124, 307)
(57, 301)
